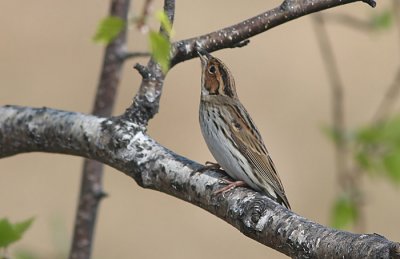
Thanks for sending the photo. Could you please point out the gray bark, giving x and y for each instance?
(122, 143)
(125, 146)
(91, 191)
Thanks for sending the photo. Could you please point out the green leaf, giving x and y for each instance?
(383, 20)
(379, 148)
(367, 135)
(108, 29)
(165, 23)
(363, 160)
(160, 47)
(344, 212)
(331, 133)
(391, 162)
(22, 226)
(391, 131)
(9, 233)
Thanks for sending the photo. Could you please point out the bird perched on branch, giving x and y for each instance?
(231, 135)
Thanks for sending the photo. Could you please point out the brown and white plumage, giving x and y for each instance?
(230, 133)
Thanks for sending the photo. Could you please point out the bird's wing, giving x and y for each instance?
(248, 140)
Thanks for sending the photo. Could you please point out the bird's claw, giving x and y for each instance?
(231, 185)
(209, 166)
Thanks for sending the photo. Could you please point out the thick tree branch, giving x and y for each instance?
(124, 146)
(91, 190)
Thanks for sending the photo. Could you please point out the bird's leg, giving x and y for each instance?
(209, 165)
(231, 185)
(213, 165)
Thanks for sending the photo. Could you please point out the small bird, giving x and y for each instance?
(231, 135)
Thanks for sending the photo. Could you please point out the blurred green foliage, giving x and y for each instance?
(331, 133)
(344, 212)
(108, 29)
(375, 148)
(378, 149)
(382, 20)
(160, 44)
(160, 47)
(25, 254)
(165, 23)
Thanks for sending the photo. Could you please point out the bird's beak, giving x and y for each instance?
(204, 56)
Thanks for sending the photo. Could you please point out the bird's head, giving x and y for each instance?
(216, 79)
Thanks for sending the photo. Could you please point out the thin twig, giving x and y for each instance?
(392, 92)
(349, 20)
(348, 180)
(143, 71)
(232, 35)
(142, 20)
(389, 99)
(337, 102)
(147, 100)
(241, 44)
(91, 191)
(129, 55)
(396, 11)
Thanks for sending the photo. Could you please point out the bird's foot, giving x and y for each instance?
(231, 185)
(209, 166)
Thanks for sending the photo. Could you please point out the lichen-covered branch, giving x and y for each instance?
(122, 143)
(124, 146)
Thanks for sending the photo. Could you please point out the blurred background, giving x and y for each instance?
(48, 58)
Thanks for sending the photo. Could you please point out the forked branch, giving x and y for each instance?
(146, 102)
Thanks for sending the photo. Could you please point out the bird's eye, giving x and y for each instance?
(212, 69)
